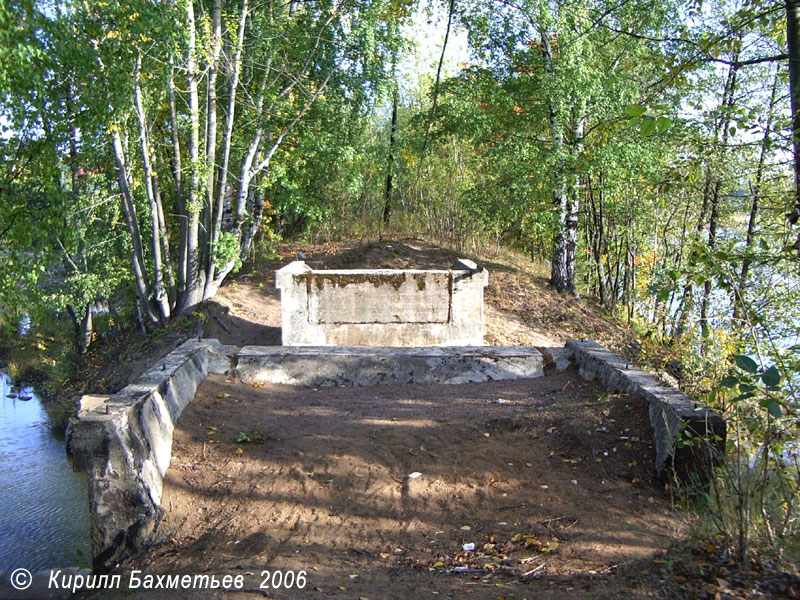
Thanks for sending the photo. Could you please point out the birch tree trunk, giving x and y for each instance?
(559, 277)
(195, 274)
(177, 175)
(793, 43)
(387, 197)
(160, 295)
(129, 209)
(755, 193)
(211, 143)
(211, 278)
(722, 132)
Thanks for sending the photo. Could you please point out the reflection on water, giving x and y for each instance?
(44, 506)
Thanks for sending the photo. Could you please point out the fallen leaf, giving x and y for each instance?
(530, 541)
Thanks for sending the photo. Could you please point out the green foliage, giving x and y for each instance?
(226, 250)
(257, 436)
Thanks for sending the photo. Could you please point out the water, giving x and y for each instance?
(44, 505)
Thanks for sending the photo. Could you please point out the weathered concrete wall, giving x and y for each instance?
(345, 366)
(672, 413)
(124, 443)
(382, 307)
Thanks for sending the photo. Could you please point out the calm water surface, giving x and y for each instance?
(44, 505)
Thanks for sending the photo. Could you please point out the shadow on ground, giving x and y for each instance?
(374, 491)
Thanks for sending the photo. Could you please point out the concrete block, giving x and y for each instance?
(124, 444)
(382, 307)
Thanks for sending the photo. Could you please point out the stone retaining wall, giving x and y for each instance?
(345, 366)
(124, 443)
(382, 307)
(688, 435)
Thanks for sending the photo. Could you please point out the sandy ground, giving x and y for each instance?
(374, 492)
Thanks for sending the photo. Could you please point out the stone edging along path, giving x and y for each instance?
(688, 435)
(124, 442)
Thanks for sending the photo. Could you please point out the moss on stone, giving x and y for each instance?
(396, 280)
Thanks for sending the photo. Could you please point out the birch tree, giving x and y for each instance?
(223, 87)
(574, 80)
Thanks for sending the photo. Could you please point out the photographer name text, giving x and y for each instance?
(138, 580)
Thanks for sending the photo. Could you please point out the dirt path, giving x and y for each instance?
(549, 478)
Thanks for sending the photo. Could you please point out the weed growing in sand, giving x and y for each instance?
(257, 436)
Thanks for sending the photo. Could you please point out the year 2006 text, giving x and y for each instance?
(283, 579)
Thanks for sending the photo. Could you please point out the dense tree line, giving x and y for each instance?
(167, 125)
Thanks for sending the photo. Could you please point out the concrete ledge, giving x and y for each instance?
(358, 366)
(124, 443)
(672, 412)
